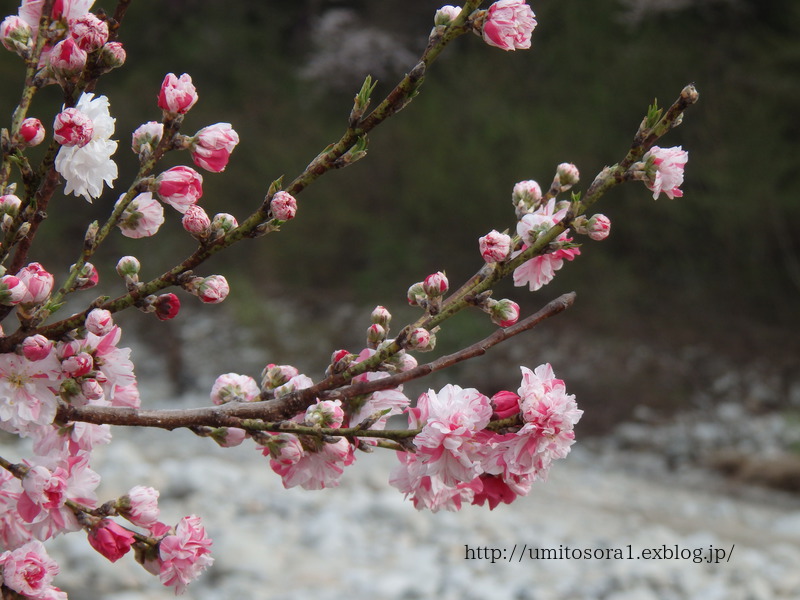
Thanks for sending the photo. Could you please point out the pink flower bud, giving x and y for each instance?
(232, 387)
(213, 289)
(88, 31)
(212, 146)
(16, 35)
(196, 221)
(91, 389)
(128, 266)
(325, 413)
(77, 365)
(99, 321)
(276, 375)
(283, 206)
(567, 175)
(167, 306)
(446, 14)
(140, 506)
(509, 25)
(435, 284)
(381, 316)
(12, 290)
(598, 227)
(495, 246)
(403, 361)
(143, 216)
(111, 540)
(416, 294)
(9, 205)
(73, 128)
(504, 312)
(420, 339)
(38, 283)
(223, 222)
(180, 187)
(147, 136)
(229, 437)
(37, 347)
(505, 404)
(31, 131)
(177, 94)
(113, 55)
(375, 335)
(67, 60)
(87, 278)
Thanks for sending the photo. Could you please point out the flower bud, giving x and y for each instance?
(232, 387)
(142, 217)
(77, 365)
(88, 31)
(416, 294)
(598, 227)
(177, 94)
(403, 361)
(73, 128)
(446, 14)
(504, 312)
(12, 290)
(375, 335)
(508, 25)
(67, 61)
(222, 223)
(147, 136)
(99, 321)
(495, 246)
(111, 539)
(37, 281)
(381, 316)
(211, 147)
(529, 192)
(567, 175)
(140, 506)
(180, 187)
(435, 285)
(276, 375)
(505, 404)
(211, 290)
(129, 266)
(87, 278)
(9, 205)
(421, 339)
(37, 347)
(167, 306)
(113, 55)
(283, 206)
(16, 35)
(228, 437)
(325, 413)
(92, 390)
(196, 221)
(31, 132)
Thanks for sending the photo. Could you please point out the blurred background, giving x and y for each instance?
(683, 344)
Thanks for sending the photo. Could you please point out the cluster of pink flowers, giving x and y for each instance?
(461, 460)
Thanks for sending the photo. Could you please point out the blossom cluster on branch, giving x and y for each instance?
(65, 383)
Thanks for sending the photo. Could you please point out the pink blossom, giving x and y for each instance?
(36, 347)
(283, 206)
(89, 32)
(450, 419)
(140, 506)
(177, 94)
(232, 387)
(213, 289)
(37, 281)
(316, 469)
(325, 413)
(31, 10)
(196, 221)
(111, 539)
(78, 365)
(428, 491)
(506, 404)
(27, 396)
(67, 60)
(12, 290)
(668, 177)
(385, 402)
(167, 306)
(184, 555)
(212, 146)
(298, 382)
(509, 25)
(495, 246)
(99, 321)
(31, 131)
(28, 570)
(142, 217)
(180, 187)
(494, 490)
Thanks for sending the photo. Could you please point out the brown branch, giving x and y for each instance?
(231, 415)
